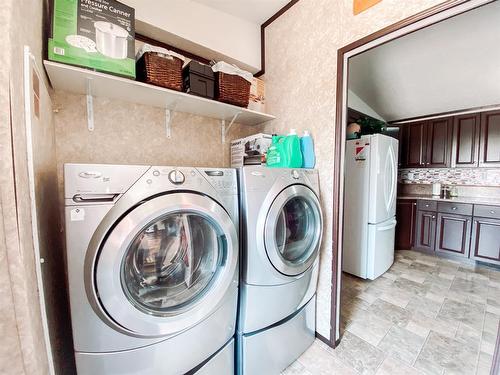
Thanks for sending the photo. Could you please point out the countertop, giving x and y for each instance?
(471, 200)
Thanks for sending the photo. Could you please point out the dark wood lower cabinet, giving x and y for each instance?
(485, 245)
(453, 234)
(406, 211)
(426, 230)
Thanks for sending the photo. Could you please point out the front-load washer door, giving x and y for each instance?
(293, 230)
(167, 264)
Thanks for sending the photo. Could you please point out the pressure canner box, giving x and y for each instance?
(96, 34)
(249, 150)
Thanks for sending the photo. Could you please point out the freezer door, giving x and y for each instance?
(380, 248)
(383, 178)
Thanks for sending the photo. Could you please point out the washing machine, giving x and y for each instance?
(152, 257)
(281, 229)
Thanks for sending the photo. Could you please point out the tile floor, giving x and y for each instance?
(426, 315)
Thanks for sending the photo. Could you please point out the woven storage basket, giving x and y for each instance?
(160, 70)
(232, 89)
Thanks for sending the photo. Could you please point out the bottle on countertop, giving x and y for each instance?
(307, 148)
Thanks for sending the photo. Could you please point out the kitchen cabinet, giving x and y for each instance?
(489, 145)
(427, 143)
(485, 242)
(459, 229)
(406, 212)
(465, 150)
(425, 231)
(453, 234)
(485, 246)
(439, 142)
(414, 139)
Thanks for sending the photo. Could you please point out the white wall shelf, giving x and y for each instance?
(95, 84)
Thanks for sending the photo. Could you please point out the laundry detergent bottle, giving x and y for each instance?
(292, 150)
(276, 156)
(307, 147)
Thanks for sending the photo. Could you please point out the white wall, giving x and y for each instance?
(448, 66)
(201, 30)
(355, 102)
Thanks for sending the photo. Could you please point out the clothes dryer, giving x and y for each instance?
(281, 229)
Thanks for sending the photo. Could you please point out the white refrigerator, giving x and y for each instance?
(371, 167)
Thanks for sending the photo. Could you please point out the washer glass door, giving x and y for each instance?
(172, 262)
(294, 227)
(166, 265)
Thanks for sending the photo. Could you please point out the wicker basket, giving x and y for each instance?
(232, 89)
(160, 70)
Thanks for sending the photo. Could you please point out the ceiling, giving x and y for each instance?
(256, 11)
(449, 66)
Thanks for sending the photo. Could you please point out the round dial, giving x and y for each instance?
(176, 177)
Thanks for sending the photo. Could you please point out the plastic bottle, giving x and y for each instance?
(292, 150)
(276, 156)
(307, 147)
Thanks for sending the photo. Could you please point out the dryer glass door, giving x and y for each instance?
(293, 230)
(167, 264)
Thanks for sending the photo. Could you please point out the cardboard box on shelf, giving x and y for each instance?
(97, 34)
(249, 150)
(257, 96)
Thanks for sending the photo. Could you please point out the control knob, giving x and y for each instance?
(176, 177)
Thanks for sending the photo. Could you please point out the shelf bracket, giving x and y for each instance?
(90, 106)
(168, 123)
(169, 116)
(224, 130)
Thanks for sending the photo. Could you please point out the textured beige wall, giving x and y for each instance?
(301, 61)
(10, 350)
(128, 133)
(25, 350)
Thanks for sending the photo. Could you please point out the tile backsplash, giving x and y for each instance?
(458, 176)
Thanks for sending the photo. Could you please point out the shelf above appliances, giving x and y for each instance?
(95, 84)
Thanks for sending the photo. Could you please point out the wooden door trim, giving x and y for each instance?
(336, 280)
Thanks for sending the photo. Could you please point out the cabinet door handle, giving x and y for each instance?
(492, 212)
(414, 204)
(454, 208)
(433, 217)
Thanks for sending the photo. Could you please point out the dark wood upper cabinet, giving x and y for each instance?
(453, 234)
(489, 146)
(426, 230)
(439, 141)
(414, 144)
(465, 150)
(406, 211)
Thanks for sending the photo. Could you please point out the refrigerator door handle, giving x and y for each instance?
(391, 163)
(387, 227)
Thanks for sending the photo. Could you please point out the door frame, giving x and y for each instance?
(406, 26)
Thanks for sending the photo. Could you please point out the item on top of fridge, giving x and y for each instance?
(97, 34)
